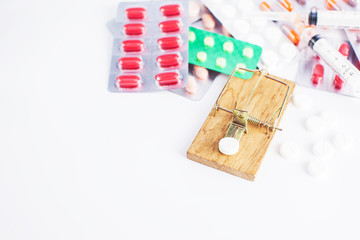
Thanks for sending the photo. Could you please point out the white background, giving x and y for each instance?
(77, 162)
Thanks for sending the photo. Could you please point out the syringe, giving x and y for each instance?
(329, 19)
(341, 66)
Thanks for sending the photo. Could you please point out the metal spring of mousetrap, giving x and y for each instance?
(250, 119)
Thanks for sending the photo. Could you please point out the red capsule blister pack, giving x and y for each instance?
(150, 49)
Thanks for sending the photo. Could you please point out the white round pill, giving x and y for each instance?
(228, 146)
(228, 11)
(273, 34)
(259, 23)
(317, 168)
(241, 26)
(288, 51)
(245, 6)
(301, 100)
(269, 58)
(323, 149)
(343, 141)
(331, 118)
(314, 124)
(289, 150)
(256, 39)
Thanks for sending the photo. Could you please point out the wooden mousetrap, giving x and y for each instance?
(249, 111)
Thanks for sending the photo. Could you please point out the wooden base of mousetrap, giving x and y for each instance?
(267, 98)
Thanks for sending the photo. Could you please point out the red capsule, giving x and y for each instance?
(169, 43)
(168, 79)
(170, 26)
(169, 60)
(135, 13)
(128, 81)
(171, 10)
(344, 49)
(130, 63)
(338, 83)
(134, 29)
(132, 46)
(318, 74)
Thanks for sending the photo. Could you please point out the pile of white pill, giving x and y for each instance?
(323, 124)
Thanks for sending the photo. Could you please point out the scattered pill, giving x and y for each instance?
(256, 39)
(269, 58)
(128, 81)
(314, 124)
(246, 6)
(191, 86)
(331, 118)
(171, 10)
(322, 149)
(130, 63)
(228, 146)
(169, 60)
(343, 141)
(289, 150)
(286, 4)
(135, 13)
(301, 100)
(228, 47)
(194, 9)
(209, 42)
(288, 51)
(192, 36)
(240, 65)
(317, 74)
(169, 43)
(168, 79)
(228, 11)
(241, 26)
(132, 46)
(221, 62)
(317, 168)
(259, 23)
(208, 21)
(201, 73)
(170, 26)
(248, 52)
(201, 56)
(134, 29)
(273, 34)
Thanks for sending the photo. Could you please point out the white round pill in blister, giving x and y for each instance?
(323, 149)
(288, 51)
(228, 11)
(273, 34)
(331, 118)
(314, 124)
(289, 150)
(228, 146)
(269, 58)
(256, 39)
(317, 168)
(343, 141)
(245, 6)
(301, 100)
(259, 23)
(241, 26)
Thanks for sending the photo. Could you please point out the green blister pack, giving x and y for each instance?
(222, 54)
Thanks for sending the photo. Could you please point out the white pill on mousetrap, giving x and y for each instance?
(228, 146)
(289, 150)
(314, 124)
(301, 100)
(323, 149)
(317, 168)
(343, 141)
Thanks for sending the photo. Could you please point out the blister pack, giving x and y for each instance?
(277, 40)
(150, 48)
(222, 54)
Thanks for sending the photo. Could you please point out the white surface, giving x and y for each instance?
(78, 162)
